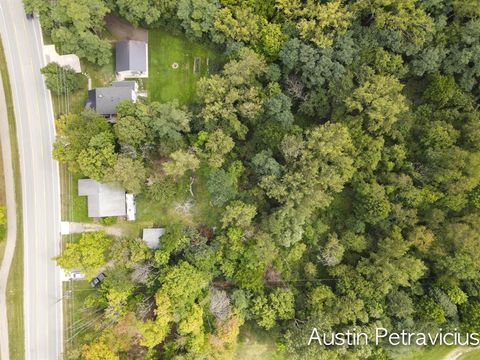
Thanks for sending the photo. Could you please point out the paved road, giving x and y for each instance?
(40, 182)
(11, 239)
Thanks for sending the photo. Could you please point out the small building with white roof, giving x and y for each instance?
(152, 237)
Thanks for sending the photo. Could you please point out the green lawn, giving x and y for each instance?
(257, 344)
(433, 353)
(74, 102)
(14, 292)
(79, 319)
(100, 75)
(164, 82)
(472, 355)
(74, 207)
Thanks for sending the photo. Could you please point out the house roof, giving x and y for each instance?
(152, 237)
(104, 100)
(103, 200)
(132, 84)
(131, 55)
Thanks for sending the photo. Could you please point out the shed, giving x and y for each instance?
(152, 237)
(103, 200)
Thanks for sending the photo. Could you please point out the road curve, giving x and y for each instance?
(11, 238)
(23, 47)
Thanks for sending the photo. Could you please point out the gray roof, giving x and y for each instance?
(152, 237)
(103, 200)
(131, 55)
(125, 83)
(104, 100)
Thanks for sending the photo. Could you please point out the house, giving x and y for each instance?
(104, 100)
(152, 237)
(132, 59)
(103, 200)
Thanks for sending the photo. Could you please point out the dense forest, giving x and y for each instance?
(339, 147)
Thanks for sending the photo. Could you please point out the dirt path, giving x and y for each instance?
(11, 238)
(78, 228)
(456, 353)
(122, 30)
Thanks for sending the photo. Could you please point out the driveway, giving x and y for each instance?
(22, 40)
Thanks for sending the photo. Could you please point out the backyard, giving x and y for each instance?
(175, 65)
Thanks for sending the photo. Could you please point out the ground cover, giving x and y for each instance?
(79, 319)
(176, 64)
(472, 355)
(432, 353)
(74, 207)
(257, 344)
(15, 280)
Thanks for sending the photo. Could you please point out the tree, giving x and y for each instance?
(75, 28)
(74, 134)
(278, 305)
(237, 213)
(220, 187)
(318, 23)
(132, 132)
(60, 80)
(216, 147)
(98, 159)
(130, 174)
(168, 121)
(197, 16)
(183, 284)
(331, 254)
(153, 332)
(98, 350)
(372, 205)
(380, 102)
(88, 255)
(234, 96)
(181, 162)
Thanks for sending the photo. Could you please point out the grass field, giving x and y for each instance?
(15, 278)
(78, 319)
(434, 353)
(74, 207)
(74, 102)
(164, 82)
(472, 355)
(257, 344)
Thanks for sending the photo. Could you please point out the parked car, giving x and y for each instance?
(30, 15)
(97, 280)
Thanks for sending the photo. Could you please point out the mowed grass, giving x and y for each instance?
(167, 84)
(431, 353)
(74, 207)
(79, 319)
(472, 355)
(257, 344)
(15, 279)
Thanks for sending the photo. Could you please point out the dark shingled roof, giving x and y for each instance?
(131, 55)
(104, 100)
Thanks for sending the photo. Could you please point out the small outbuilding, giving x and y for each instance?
(132, 59)
(103, 200)
(152, 237)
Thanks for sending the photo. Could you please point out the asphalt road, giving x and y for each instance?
(40, 182)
